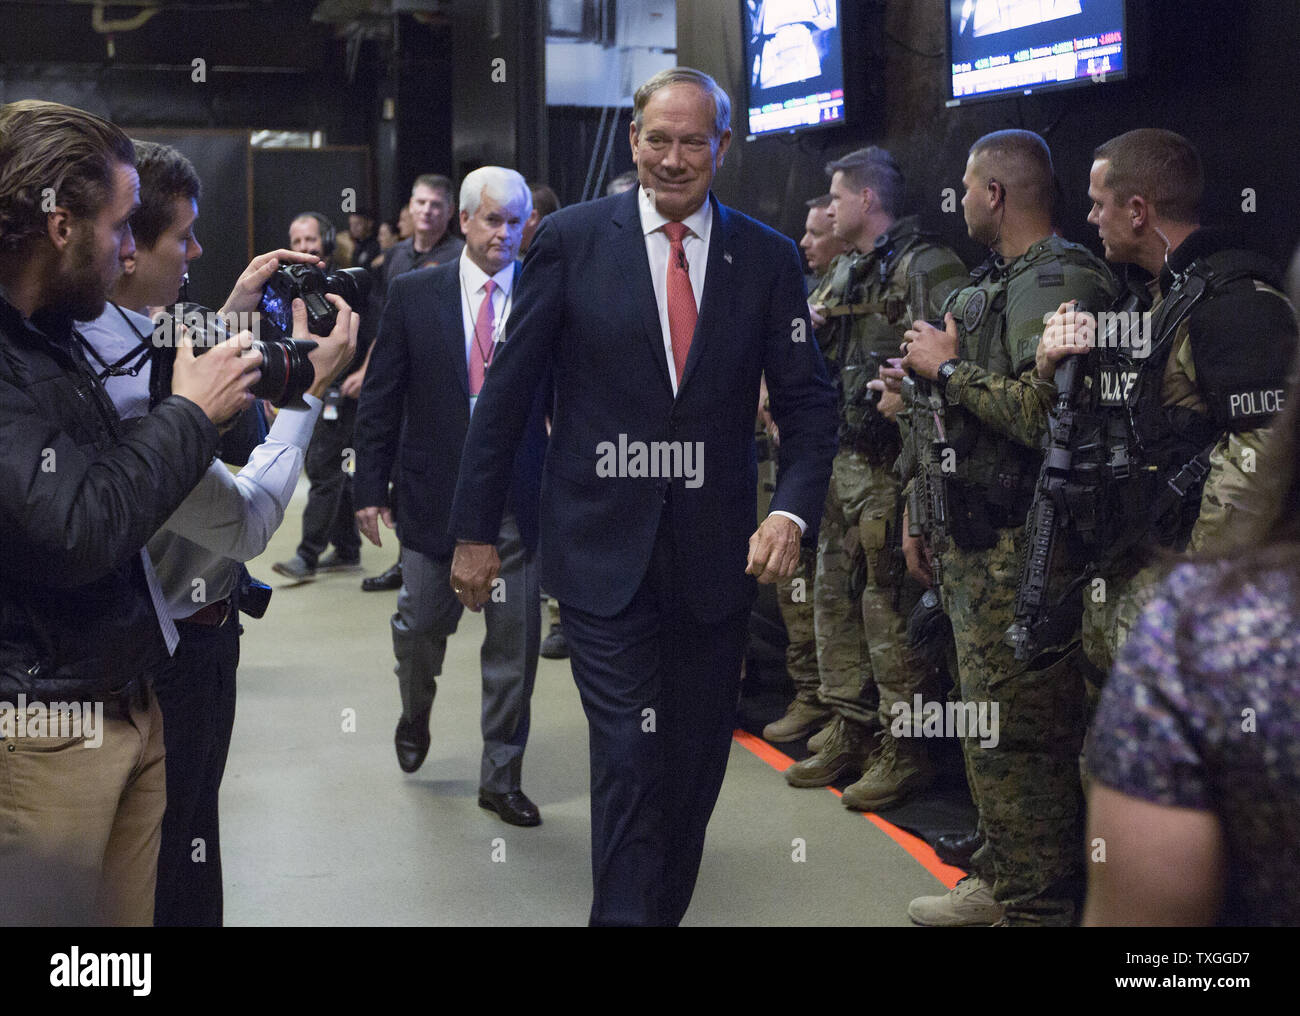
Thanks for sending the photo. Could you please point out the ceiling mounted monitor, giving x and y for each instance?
(794, 63)
(998, 48)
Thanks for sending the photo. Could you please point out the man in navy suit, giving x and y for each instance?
(657, 311)
(438, 337)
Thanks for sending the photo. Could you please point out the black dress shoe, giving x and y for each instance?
(958, 848)
(391, 579)
(513, 807)
(412, 742)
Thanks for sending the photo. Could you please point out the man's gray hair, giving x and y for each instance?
(504, 185)
(690, 76)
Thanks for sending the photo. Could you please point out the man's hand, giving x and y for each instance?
(368, 522)
(890, 403)
(891, 373)
(333, 351)
(917, 556)
(247, 293)
(818, 314)
(925, 348)
(351, 386)
(473, 568)
(1068, 333)
(774, 549)
(218, 382)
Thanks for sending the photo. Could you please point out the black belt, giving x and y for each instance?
(214, 615)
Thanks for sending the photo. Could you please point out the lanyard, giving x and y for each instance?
(498, 322)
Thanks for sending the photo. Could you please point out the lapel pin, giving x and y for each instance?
(726, 256)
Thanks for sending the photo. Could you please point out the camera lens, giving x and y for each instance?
(353, 284)
(286, 370)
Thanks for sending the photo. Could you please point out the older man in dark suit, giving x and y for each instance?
(438, 337)
(657, 310)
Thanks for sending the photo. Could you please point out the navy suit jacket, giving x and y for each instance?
(585, 310)
(414, 407)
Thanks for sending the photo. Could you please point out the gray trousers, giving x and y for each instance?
(428, 612)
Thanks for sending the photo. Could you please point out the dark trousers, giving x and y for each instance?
(659, 689)
(196, 690)
(328, 517)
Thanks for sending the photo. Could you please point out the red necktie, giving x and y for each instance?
(682, 311)
(481, 355)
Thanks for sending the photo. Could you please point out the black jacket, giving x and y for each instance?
(415, 409)
(79, 496)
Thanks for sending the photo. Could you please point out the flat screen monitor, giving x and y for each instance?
(998, 48)
(794, 59)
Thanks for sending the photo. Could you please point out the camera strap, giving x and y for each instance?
(136, 357)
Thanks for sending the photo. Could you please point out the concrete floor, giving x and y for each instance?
(320, 827)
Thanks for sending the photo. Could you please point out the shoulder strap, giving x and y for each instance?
(1205, 275)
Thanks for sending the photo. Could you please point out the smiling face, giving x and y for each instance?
(493, 232)
(675, 150)
(158, 271)
(96, 251)
(304, 236)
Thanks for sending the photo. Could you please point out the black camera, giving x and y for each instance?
(286, 370)
(309, 284)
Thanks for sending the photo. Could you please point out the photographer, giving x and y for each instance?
(327, 518)
(225, 520)
(79, 496)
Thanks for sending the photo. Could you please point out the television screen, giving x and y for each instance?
(794, 56)
(1015, 47)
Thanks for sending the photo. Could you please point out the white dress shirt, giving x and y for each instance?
(658, 247)
(473, 287)
(226, 517)
(699, 225)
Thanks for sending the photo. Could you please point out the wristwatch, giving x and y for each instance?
(945, 373)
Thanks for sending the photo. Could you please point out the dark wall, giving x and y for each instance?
(265, 66)
(574, 132)
(288, 182)
(498, 92)
(1221, 74)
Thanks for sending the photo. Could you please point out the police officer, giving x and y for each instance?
(1024, 780)
(804, 714)
(863, 662)
(1201, 376)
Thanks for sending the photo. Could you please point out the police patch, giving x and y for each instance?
(1116, 384)
(974, 309)
(1260, 403)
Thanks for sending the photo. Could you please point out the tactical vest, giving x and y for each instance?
(1139, 466)
(995, 476)
(867, 313)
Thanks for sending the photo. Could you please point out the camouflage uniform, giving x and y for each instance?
(1112, 608)
(794, 595)
(1027, 785)
(861, 646)
(796, 598)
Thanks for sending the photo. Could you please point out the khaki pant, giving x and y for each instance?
(80, 826)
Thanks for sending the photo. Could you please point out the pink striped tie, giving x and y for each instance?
(481, 355)
(682, 311)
